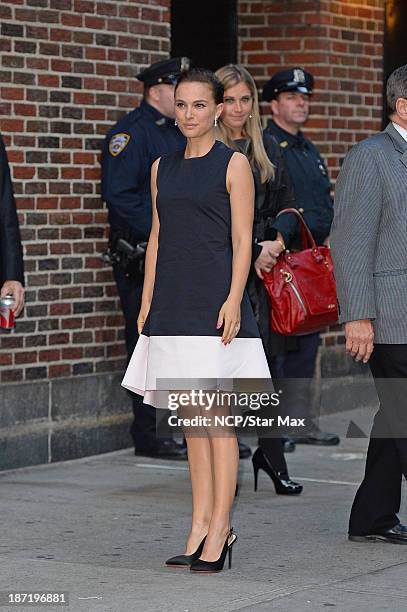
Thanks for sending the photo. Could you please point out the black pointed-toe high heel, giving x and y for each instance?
(199, 565)
(186, 560)
(282, 482)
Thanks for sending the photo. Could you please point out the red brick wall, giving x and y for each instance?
(66, 71)
(65, 77)
(341, 43)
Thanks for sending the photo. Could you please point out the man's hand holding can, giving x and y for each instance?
(16, 290)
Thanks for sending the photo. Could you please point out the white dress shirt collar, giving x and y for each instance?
(402, 131)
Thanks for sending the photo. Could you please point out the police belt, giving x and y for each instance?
(126, 253)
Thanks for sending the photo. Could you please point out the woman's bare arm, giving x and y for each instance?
(151, 253)
(241, 188)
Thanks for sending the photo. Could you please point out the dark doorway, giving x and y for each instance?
(206, 32)
(395, 40)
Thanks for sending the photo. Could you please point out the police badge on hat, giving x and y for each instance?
(298, 75)
(118, 143)
(295, 79)
(165, 72)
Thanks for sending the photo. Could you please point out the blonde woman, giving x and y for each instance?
(239, 127)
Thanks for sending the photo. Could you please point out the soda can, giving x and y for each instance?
(6, 312)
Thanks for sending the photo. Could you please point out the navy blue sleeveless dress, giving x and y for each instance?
(192, 281)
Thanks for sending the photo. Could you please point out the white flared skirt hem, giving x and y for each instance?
(160, 363)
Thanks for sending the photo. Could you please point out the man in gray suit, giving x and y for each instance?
(369, 249)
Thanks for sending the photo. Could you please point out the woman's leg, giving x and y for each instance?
(274, 451)
(269, 440)
(200, 469)
(225, 462)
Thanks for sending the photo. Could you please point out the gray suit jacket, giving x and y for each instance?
(369, 235)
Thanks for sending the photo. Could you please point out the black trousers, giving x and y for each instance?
(293, 374)
(377, 500)
(143, 428)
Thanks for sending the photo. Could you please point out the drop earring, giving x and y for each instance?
(175, 122)
(250, 116)
(216, 121)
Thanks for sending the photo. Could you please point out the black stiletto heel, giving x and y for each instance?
(256, 474)
(282, 482)
(199, 565)
(186, 560)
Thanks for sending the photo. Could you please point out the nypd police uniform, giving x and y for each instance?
(312, 188)
(304, 163)
(129, 150)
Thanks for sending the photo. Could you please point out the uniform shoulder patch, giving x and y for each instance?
(118, 143)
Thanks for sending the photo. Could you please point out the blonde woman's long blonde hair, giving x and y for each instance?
(229, 76)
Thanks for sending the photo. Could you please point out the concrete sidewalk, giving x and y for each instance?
(101, 528)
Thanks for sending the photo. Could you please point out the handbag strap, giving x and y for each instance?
(307, 238)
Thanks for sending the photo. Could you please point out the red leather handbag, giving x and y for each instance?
(301, 287)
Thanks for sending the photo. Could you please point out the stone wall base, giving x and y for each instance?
(65, 418)
(68, 418)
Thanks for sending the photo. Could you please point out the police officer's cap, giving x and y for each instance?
(295, 79)
(166, 71)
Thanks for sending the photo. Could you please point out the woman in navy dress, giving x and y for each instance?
(196, 321)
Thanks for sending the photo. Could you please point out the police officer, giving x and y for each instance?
(11, 254)
(288, 93)
(129, 150)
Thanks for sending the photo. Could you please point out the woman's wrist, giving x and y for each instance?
(232, 297)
